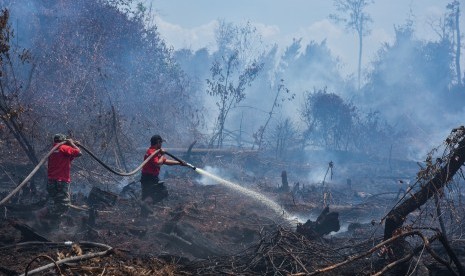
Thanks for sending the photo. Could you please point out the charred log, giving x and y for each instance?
(326, 223)
(285, 183)
(27, 233)
(188, 154)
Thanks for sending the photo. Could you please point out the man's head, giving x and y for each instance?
(57, 138)
(156, 139)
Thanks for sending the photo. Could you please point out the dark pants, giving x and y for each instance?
(58, 200)
(152, 191)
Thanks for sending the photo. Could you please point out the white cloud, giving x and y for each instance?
(320, 30)
(191, 38)
(267, 31)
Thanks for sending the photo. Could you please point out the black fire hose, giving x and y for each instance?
(181, 161)
(116, 172)
(136, 169)
(4, 200)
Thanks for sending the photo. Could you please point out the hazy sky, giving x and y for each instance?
(190, 23)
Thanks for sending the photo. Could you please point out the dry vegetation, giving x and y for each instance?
(211, 230)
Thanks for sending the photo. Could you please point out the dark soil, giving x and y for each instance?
(209, 229)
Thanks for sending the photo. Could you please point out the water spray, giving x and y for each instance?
(253, 194)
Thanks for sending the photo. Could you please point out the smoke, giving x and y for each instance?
(191, 38)
(205, 180)
(401, 82)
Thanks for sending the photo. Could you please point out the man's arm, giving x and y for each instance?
(72, 149)
(170, 162)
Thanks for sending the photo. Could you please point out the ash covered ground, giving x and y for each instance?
(205, 228)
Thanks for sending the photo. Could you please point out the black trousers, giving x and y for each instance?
(151, 188)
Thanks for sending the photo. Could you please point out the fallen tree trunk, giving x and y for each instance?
(396, 217)
(441, 173)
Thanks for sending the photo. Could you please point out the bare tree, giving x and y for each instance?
(258, 136)
(453, 22)
(352, 14)
(234, 69)
(283, 134)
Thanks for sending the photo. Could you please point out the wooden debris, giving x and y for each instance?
(326, 223)
(27, 233)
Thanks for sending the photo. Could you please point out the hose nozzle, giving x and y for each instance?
(181, 161)
(191, 166)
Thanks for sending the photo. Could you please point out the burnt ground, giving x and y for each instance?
(212, 230)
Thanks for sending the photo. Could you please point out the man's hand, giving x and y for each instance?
(72, 143)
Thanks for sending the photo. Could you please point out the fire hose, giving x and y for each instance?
(114, 171)
(30, 174)
(140, 166)
(42, 161)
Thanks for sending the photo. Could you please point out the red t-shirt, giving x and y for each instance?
(152, 166)
(59, 163)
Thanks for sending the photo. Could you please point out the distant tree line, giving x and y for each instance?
(400, 99)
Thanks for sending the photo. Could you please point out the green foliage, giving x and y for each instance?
(328, 118)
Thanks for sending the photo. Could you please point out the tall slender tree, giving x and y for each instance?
(352, 14)
(453, 22)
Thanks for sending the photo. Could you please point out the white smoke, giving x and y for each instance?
(205, 180)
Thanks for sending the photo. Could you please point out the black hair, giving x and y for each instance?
(155, 139)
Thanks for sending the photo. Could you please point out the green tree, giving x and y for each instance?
(352, 14)
(328, 118)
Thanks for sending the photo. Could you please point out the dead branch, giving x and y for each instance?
(369, 252)
(396, 217)
(108, 250)
(426, 245)
(43, 256)
(451, 254)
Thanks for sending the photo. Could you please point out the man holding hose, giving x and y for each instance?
(153, 191)
(59, 167)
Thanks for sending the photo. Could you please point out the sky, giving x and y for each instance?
(190, 23)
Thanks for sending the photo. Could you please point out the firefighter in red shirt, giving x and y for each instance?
(59, 166)
(153, 190)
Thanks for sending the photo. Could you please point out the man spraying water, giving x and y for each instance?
(154, 191)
